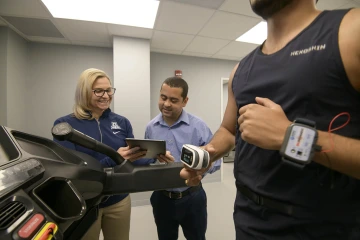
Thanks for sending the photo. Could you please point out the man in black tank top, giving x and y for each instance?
(309, 67)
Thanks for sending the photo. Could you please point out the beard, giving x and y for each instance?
(267, 8)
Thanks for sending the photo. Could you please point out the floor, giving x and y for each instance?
(220, 195)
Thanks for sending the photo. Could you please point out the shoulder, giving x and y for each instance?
(353, 13)
(154, 120)
(66, 118)
(350, 25)
(200, 128)
(233, 72)
(195, 120)
(114, 117)
(349, 35)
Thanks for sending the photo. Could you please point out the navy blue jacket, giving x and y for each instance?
(111, 129)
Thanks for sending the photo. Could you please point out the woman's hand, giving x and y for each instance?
(131, 154)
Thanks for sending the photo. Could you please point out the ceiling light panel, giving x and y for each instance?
(256, 35)
(137, 13)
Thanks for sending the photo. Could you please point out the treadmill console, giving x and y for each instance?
(50, 192)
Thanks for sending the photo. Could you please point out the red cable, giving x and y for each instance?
(332, 130)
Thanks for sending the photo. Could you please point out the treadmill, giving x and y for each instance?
(51, 192)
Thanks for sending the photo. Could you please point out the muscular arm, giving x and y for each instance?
(345, 157)
(223, 140)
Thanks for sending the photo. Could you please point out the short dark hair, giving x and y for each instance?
(177, 82)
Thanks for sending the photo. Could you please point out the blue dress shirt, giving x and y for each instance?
(188, 129)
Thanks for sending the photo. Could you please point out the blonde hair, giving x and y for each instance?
(83, 92)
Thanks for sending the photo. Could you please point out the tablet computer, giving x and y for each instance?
(153, 147)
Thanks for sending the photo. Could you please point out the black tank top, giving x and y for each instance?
(308, 80)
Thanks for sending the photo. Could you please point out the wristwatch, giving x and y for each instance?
(299, 145)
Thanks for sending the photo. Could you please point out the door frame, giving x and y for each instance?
(223, 81)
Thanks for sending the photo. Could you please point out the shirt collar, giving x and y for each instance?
(104, 114)
(184, 117)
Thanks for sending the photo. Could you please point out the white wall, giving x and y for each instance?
(48, 85)
(132, 81)
(203, 76)
(17, 77)
(53, 74)
(3, 82)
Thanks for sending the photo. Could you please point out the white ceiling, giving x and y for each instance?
(204, 28)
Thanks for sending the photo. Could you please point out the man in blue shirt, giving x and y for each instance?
(180, 206)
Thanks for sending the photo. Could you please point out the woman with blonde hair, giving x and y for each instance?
(93, 117)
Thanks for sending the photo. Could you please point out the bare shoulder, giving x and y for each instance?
(229, 119)
(233, 72)
(232, 77)
(349, 38)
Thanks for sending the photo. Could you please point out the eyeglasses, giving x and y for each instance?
(101, 92)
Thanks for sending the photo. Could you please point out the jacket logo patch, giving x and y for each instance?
(114, 125)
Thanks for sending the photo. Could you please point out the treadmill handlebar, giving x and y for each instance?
(137, 179)
(64, 132)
